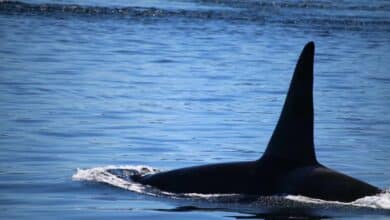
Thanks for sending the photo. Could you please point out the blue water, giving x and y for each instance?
(169, 84)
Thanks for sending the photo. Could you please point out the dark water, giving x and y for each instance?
(169, 84)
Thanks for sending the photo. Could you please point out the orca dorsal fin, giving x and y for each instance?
(292, 138)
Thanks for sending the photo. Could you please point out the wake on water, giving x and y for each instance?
(120, 176)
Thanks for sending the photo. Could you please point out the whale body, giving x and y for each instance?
(288, 165)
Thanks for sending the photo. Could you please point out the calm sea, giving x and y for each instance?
(89, 84)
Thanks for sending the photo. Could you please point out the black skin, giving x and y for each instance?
(288, 166)
(263, 178)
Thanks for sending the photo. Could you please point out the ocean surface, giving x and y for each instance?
(88, 86)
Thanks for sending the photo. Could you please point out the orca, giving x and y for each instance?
(288, 166)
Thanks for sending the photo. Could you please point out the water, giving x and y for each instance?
(168, 84)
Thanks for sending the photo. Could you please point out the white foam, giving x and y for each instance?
(101, 174)
(207, 196)
(380, 201)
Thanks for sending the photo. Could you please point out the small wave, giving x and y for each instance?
(17, 7)
(103, 175)
(322, 16)
(380, 201)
